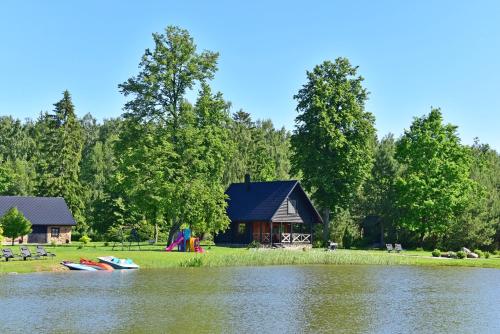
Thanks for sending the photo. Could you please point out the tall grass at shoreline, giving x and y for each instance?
(154, 257)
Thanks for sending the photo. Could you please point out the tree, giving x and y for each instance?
(333, 139)
(171, 153)
(379, 189)
(434, 187)
(60, 143)
(14, 224)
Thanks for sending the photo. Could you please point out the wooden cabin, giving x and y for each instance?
(277, 212)
(50, 217)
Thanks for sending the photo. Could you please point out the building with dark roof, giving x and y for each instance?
(270, 213)
(50, 217)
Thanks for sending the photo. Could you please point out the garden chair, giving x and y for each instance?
(7, 254)
(40, 251)
(398, 248)
(25, 253)
(389, 247)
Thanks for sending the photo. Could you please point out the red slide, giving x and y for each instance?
(175, 243)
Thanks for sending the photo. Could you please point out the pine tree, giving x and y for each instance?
(60, 144)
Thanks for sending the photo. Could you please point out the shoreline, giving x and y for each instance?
(153, 257)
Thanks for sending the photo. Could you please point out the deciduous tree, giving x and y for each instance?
(334, 135)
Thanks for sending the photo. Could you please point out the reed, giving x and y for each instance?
(155, 257)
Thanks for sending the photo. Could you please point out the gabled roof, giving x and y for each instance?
(260, 201)
(39, 210)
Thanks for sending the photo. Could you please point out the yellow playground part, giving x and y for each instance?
(191, 244)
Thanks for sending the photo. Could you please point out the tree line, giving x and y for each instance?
(166, 161)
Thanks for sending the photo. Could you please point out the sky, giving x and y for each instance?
(414, 55)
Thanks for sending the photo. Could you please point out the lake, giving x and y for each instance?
(278, 299)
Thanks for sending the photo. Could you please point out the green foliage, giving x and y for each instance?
(85, 239)
(14, 224)
(333, 140)
(487, 255)
(173, 155)
(192, 262)
(259, 150)
(60, 142)
(452, 255)
(254, 244)
(479, 252)
(436, 253)
(461, 255)
(434, 187)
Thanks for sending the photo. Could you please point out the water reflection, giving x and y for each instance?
(295, 299)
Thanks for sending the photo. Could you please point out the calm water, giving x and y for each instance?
(298, 299)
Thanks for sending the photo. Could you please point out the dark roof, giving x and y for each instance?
(260, 202)
(39, 210)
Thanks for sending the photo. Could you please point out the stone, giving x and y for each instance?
(472, 255)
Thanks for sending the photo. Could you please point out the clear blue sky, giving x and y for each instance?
(413, 54)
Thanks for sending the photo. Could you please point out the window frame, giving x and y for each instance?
(291, 204)
(242, 228)
(55, 235)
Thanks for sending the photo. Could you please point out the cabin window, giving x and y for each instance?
(292, 204)
(241, 228)
(54, 232)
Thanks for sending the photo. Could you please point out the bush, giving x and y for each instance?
(106, 243)
(53, 243)
(486, 255)
(419, 249)
(85, 239)
(461, 255)
(317, 244)
(436, 253)
(479, 252)
(452, 255)
(254, 244)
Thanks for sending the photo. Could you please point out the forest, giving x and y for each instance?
(167, 161)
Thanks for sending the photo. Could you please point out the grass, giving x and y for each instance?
(155, 257)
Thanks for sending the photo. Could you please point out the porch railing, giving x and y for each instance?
(301, 238)
(285, 237)
(266, 237)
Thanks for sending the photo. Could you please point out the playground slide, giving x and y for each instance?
(175, 243)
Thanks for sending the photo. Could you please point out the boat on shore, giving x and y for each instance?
(118, 263)
(77, 266)
(96, 265)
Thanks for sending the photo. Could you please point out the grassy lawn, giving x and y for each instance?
(155, 257)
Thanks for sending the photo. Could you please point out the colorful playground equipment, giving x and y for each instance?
(185, 242)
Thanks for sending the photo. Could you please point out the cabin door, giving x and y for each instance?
(38, 235)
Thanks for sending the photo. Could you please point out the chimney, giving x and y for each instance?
(247, 181)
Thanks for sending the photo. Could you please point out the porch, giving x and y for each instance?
(281, 233)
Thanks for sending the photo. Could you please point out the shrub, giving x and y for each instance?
(85, 239)
(419, 249)
(461, 255)
(479, 252)
(486, 255)
(254, 244)
(317, 243)
(106, 243)
(452, 255)
(436, 253)
(53, 243)
(79, 247)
